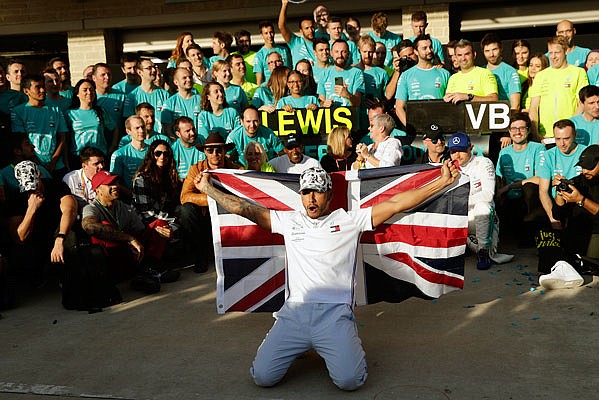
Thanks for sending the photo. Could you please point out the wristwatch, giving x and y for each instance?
(470, 96)
(581, 202)
(60, 235)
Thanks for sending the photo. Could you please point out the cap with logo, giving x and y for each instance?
(589, 157)
(459, 141)
(434, 131)
(316, 179)
(103, 178)
(293, 140)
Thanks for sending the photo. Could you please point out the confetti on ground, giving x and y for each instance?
(520, 291)
(514, 324)
(535, 318)
(469, 306)
(532, 289)
(434, 300)
(500, 297)
(475, 280)
(362, 324)
(542, 292)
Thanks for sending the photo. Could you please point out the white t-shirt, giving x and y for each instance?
(80, 186)
(321, 253)
(283, 165)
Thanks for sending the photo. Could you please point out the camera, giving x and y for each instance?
(563, 186)
(405, 63)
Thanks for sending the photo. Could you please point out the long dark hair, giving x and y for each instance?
(76, 103)
(205, 102)
(163, 180)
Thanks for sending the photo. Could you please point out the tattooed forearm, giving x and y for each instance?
(236, 205)
(95, 228)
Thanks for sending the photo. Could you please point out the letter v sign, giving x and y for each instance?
(478, 119)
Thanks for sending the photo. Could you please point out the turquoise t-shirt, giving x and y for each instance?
(87, 130)
(125, 140)
(437, 48)
(236, 97)
(390, 40)
(555, 162)
(593, 74)
(177, 106)
(263, 97)
(299, 102)
(301, 48)
(318, 73)
(67, 93)
(422, 84)
(10, 98)
(125, 162)
(375, 81)
(508, 81)
(114, 104)
(353, 78)
(63, 103)
(157, 99)
(515, 166)
(587, 133)
(223, 124)
(578, 56)
(124, 87)
(260, 65)
(42, 125)
(185, 157)
(265, 136)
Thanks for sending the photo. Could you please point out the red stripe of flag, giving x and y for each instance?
(417, 235)
(426, 274)
(248, 235)
(339, 199)
(252, 192)
(417, 180)
(260, 293)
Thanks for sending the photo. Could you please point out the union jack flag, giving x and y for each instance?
(416, 253)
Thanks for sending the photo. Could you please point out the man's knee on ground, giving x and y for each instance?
(350, 382)
(264, 378)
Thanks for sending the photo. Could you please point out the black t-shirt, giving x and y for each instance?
(590, 190)
(330, 164)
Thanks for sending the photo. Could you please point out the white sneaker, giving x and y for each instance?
(562, 276)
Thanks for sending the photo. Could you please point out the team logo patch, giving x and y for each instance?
(335, 228)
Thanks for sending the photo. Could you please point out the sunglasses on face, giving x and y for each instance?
(434, 141)
(217, 150)
(159, 153)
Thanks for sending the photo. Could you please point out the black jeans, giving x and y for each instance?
(197, 230)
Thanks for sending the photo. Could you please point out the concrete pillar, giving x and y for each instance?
(85, 48)
(438, 20)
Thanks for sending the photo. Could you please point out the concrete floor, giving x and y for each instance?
(496, 339)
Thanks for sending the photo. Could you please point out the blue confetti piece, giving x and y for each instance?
(434, 300)
(535, 318)
(514, 324)
(520, 291)
(500, 297)
(475, 280)
(362, 324)
(532, 289)
(542, 292)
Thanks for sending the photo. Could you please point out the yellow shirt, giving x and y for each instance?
(523, 74)
(558, 91)
(479, 82)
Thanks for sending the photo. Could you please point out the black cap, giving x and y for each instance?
(589, 157)
(293, 140)
(434, 131)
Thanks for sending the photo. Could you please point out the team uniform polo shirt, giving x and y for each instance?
(300, 49)
(283, 165)
(593, 75)
(422, 84)
(42, 125)
(437, 48)
(321, 253)
(236, 97)
(260, 65)
(297, 102)
(558, 91)
(555, 162)
(157, 99)
(263, 97)
(125, 162)
(223, 124)
(318, 72)
(124, 87)
(10, 98)
(478, 82)
(114, 104)
(587, 133)
(389, 39)
(508, 81)
(185, 157)
(353, 78)
(152, 136)
(177, 106)
(87, 130)
(514, 166)
(265, 136)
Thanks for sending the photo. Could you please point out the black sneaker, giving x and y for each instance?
(200, 266)
(145, 283)
(166, 276)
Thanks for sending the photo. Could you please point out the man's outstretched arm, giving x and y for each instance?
(257, 214)
(406, 200)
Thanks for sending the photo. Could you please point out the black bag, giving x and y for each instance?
(86, 285)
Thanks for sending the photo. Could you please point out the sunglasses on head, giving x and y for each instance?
(217, 150)
(159, 153)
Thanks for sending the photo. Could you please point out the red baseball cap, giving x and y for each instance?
(103, 178)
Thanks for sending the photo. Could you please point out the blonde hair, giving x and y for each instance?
(258, 146)
(336, 141)
(217, 66)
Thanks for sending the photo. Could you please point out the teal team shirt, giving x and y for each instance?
(514, 166)
(177, 106)
(299, 102)
(593, 74)
(63, 103)
(87, 130)
(353, 78)
(375, 81)
(263, 97)
(157, 99)
(185, 157)
(422, 84)
(587, 133)
(125, 162)
(42, 125)
(300, 49)
(508, 81)
(114, 104)
(265, 136)
(124, 87)
(260, 65)
(318, 73)
(437, 48)
(9, 99)
(555, 162)
(236, 97)
(223, 124)
(390, 40)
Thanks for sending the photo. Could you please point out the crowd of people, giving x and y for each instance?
(120, 163)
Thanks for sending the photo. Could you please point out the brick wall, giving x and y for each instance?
(438, 20)
(85, 48)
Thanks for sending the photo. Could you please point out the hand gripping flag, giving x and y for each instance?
(419, 252)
